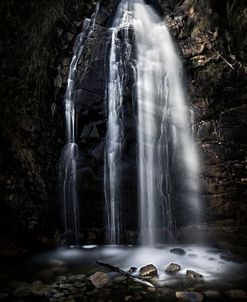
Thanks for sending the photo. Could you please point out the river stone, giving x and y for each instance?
(78, 284)
(211, 294)
(133, 269)
(148, 271)
(178, 251)
(61, 279)
(75, 278)
(37, 288)
(173, 268)
(189, 296)
(194, 275)
(236, 294)
(99, 279)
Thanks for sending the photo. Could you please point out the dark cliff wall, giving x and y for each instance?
(211, 40)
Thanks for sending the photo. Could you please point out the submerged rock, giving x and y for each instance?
(189, 296)
(99, 279)
(148, 271)
(178, 251)
(211, 294)
(173, 268)
(194, 275)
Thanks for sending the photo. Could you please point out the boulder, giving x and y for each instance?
(193, 275)
(148, 271)
(173, 268)
(178, 251)
(99, 279)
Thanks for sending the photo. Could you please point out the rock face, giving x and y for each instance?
(211, 40)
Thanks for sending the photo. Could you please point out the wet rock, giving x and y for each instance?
(194, 275)
(211, 294)
(99, 279)
(58, 82)
(133, 269)
(178, 251)
(61, 279)
(200, 60)
(189, 296)
(173, 268)
(37, 288)
(193, 255)
(64, 285)
(58, 295)
(75, 278)
(119, 279)
(236, 294)
(148, 271)
(69, 36)
(78, 284)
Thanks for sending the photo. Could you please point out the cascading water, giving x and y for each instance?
(69, 157)
(119, 54)
(163, 127)
(165, 148)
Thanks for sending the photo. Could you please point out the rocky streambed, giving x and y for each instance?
(164, 273)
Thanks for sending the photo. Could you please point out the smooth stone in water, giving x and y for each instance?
(193, 255)
(133, 269)
(178, 251)
(189, 296)
(56, 262)
(173, 268)
(148, 271)
(211, 294)
(99, 279)
(61, 279)
(194, 275)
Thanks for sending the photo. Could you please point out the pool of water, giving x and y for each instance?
(215, 265)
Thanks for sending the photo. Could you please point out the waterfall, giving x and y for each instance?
(163, 127)
(167, 159)
(119, 54)
(69, 157)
